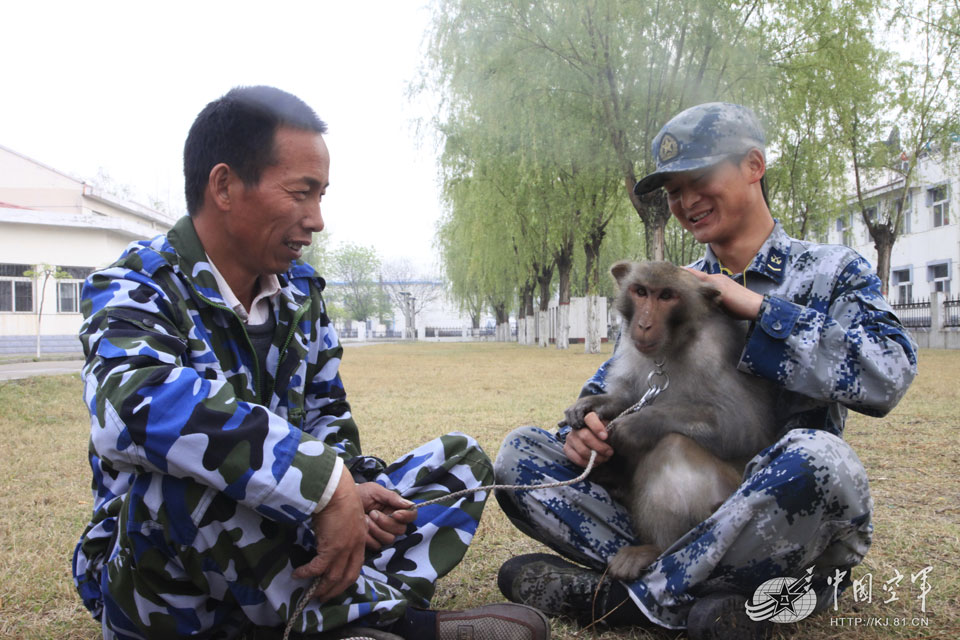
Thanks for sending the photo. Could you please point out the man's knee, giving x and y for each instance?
(522, 446)
(811, 464)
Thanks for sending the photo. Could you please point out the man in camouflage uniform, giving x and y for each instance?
(227, 469)
(819, 327)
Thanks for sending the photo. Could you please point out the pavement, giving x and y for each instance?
(18, 370)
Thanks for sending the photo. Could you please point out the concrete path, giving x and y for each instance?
(49, 368)
(19, 370)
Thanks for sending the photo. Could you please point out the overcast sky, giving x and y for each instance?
(85, 85)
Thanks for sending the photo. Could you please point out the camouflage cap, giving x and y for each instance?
(700, 137)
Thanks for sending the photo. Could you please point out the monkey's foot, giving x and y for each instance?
(630, 562)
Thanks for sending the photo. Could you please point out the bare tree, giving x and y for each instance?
(408, 289)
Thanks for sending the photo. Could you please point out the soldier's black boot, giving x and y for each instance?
(560, 588)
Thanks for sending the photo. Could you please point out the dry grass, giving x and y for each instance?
(404, 394)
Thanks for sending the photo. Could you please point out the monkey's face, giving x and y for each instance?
(654, 314)
(660, 302)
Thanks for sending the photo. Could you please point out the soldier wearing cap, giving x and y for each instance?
(819, 327)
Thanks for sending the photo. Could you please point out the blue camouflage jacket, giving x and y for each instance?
(825, 334)
(174, 388)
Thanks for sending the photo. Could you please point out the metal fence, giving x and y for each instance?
(443, 332)
(389, 333)
(914, 314)
(951, 312)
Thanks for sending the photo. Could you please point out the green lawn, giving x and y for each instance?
(404, 394)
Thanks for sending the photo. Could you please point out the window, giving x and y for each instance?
(903, 281)
(939, 277)
(940, 202)
(16, 290)
(843, 228)
(68, 297)
(68, 290)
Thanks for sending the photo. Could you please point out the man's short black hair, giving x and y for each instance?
(238, 130)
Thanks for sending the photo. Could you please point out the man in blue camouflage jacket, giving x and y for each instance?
(820, 328)
(227, 469)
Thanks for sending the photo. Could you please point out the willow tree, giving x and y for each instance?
(892, 111)
(623, 66)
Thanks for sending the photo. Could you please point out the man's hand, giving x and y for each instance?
(340, 528)
(387, 514)
(592, 437)
(738, 301)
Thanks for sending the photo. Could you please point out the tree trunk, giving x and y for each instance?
(564, 260)
(563, 325)
(655, 214)
(593, 338)
(43, 291)
(529, 318)
(503, 323)
(544, 278)
(883, 240)
(591, 249)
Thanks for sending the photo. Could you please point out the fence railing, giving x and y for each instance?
(389, 333)
(914, 314)
(951, 312)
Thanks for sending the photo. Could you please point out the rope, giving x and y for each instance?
(315, 585)
(653, 390)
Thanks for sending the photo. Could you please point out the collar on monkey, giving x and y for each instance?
(653, 388)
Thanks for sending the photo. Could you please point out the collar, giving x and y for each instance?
(268, 287)
(770, 261)
(194, 263)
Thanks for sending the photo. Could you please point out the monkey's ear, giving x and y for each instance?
(710, 293)
(621, 270)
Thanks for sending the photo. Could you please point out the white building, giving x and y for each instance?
(50, 220)
(926, 255)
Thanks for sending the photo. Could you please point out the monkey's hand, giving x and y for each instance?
(634, 434)
(575, 415)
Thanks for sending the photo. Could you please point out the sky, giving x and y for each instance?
(86, 86)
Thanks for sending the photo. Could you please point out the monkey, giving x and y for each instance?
(685, 451)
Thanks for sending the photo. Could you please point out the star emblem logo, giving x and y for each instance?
(669, 148)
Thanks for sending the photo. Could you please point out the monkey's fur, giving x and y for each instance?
(678, 458)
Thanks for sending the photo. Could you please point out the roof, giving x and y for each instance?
(40, 164)
(8, 205)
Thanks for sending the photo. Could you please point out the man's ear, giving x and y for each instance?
(218, 186)
(753, 165)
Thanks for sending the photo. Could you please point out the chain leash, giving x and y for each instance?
(654, 389)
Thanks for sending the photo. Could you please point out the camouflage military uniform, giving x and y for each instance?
(828, 337)
(207, 467)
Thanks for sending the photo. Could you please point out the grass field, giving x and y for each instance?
(405, 394)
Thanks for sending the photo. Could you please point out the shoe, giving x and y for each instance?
(353, 632)
(493, 622)
(349, 632)
(723, 616)
(555, 586)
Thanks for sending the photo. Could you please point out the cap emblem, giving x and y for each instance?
(668, 148)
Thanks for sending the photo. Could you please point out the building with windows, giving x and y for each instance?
(54, 231)
(926, 255)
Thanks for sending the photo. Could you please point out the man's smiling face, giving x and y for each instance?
(270, 222)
